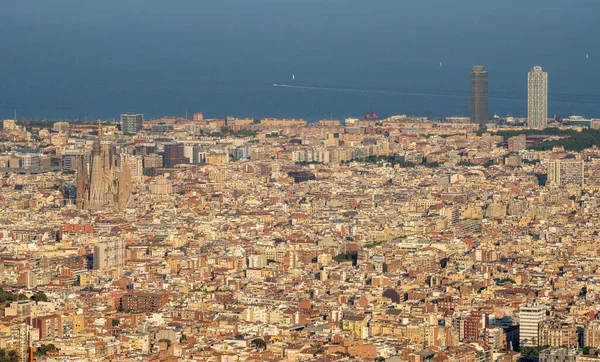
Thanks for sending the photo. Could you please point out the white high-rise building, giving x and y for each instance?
(108, 254)
(537, 98)
(132, 122)
(567, 171)
(530, 317)
(20, 332)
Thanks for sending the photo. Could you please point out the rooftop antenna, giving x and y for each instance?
(186, 114)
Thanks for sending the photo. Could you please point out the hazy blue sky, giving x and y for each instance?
(67, 58)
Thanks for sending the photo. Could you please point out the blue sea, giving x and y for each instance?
(68, 59)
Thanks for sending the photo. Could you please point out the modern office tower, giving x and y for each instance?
(568, 171)
(108, 254)
(479, 95)
(530, 317)
(131, 122)
(173, 155)
(537, 98)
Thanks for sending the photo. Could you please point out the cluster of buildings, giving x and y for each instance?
(275, 240)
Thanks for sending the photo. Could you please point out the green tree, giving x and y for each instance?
(346, 257)
(13, 356)
(259, 343)
(39, 296)
(45, 348)
(577, 141)
(533, 351)
(483, 129)
(116, 322)
(6, 296)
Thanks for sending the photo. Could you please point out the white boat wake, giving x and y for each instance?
(359, 90)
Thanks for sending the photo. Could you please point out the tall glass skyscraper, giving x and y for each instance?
(479, 95)
(537, 98)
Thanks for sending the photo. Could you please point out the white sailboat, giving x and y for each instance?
(293, 76)
(441, 65)
(587, 56)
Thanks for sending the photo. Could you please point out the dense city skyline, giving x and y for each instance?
(299, 181)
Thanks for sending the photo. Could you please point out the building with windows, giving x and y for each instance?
(173, 155)
(517, 143)
(20, 333)
(568, 171)
(479, 95)
(49, 326)
(591, 334)
(108, 254)
(142, 302)
(537, 98)
(560, 355)
(132, 122)
(60, 126)
(530, 318)
(557, 333)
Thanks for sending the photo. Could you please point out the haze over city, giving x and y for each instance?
(244, 181)
(68, 59)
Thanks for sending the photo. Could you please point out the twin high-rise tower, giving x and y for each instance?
(479, 95)
(537, 97)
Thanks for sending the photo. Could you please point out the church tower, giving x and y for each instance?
(102, 188)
